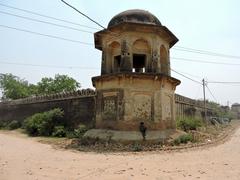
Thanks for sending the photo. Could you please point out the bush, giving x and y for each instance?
(136, 147)
(188, 123)
(42, 124)
(183, 139)
(3, 125)
(59, 131)
(14, 125)
(77, 133)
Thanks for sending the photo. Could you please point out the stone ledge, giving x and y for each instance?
(130, 136)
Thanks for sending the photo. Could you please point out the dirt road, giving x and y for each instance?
(23, 158)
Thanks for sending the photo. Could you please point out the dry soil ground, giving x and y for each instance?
(23, 158)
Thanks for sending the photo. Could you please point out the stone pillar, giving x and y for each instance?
(155, 62)
(103, 65)
(126, 64)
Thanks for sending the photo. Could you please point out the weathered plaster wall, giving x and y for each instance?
(190, 107)
(79, 107)
(125, 100)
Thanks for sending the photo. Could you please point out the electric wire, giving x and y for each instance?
(46, 22)
(194, 76)
(207, 62)
(91, 44)
(49, 17)
(211, 93)
(186, 77)
(83, 14)
(46, 35)
(224, 82)
(178, 48)
(49, 66)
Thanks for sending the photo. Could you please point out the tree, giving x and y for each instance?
(13, 87)
(60, 83)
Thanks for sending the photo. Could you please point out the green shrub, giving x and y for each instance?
(136, 147)
(77, 133)
(183, 139)
(188, 123)
(70, 134)
(42, 124)
(59, 131)
(14, 125)
(3, 125)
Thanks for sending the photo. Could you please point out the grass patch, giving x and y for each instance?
(136, 147)
(183, 139)
(11, 125)
(14, 125)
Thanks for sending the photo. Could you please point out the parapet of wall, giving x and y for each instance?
(189, 107)
(78, 106)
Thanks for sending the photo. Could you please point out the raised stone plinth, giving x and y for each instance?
(131, 136)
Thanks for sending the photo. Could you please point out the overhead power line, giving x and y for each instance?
(49, 17)
(46, 22)
(83, 14)
(211, 94)
(186, 77)
(46, 35)
(180, 48)
(91, 44)
(49, 66)
(223, 82)
(207, 62)
(194, 76)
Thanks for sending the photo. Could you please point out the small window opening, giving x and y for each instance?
(139, 63)
(117, 63)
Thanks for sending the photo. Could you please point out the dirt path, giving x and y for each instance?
(23, 158)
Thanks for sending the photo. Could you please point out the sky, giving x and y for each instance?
(202, 25)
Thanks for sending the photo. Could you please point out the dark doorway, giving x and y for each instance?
(117, 63)
(139, 62)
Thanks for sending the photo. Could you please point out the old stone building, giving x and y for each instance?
(135, 84)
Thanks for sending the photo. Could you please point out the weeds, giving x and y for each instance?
(183, 139)
(188, 123)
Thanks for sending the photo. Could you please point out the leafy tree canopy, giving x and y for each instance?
(14, 87)
(61, 83)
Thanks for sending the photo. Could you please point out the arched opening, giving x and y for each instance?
(115, 56)
(141, 51)
(164, 60)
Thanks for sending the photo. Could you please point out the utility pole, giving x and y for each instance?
(204, 100)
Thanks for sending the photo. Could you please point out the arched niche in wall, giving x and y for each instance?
(140, 55)
(164, 60)
(115, 56)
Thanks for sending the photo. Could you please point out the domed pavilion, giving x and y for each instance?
(135, 86)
